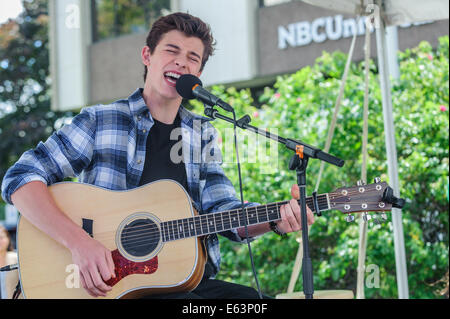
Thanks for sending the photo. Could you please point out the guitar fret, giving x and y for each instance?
(273, 213)
(241, 218)
(263, 216)
(210, 220)
(175, 230)
(252, 217)
(163, 231)
(186, 232)
(257, 214)
(198, 227)
(232, 219)
(191, 226)
(204, 224)
(218, 221)
(235, 219)
(226, 220)
(172, 233)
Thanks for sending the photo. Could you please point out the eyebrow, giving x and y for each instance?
(178, 48)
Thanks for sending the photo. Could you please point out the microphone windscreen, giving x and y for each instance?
(185, 84)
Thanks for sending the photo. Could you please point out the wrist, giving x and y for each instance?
(273, 226)
(76, 238)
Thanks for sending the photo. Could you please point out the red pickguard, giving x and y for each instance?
(125, 267)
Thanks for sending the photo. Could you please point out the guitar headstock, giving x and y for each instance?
(376, 197)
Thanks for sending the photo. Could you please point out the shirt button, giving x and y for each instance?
(139, 118)
(139, 161)
(144, 131)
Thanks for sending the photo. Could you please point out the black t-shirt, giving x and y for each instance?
(158, 164)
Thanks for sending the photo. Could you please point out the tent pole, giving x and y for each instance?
(399, 244)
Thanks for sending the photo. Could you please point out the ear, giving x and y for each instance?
(145, 55)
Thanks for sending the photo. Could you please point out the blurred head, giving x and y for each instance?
(5, 240)
(187, 24)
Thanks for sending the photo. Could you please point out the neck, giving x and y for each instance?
(162, 109)
(2, 257)
(217, 222)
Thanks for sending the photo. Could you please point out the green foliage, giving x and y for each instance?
(122, 17)
(25, 116)
(301, 106)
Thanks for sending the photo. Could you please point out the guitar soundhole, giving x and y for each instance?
(140, 237)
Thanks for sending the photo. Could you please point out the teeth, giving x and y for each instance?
(173, 75)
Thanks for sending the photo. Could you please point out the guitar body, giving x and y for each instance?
(45, 266)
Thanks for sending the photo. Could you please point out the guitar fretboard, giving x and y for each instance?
(222, 221)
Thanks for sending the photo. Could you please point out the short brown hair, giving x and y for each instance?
(191, 26)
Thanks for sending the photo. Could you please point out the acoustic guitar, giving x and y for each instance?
(155, 235)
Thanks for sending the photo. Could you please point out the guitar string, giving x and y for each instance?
(206, 219)
(173, 234)
(260, 210)
(178, 231)
(205, 224)
(145, 243)
(254, 209)
(151, 241)
(185, 225)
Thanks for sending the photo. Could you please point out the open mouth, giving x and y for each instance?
(172, 77)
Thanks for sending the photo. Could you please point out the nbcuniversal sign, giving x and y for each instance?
(322, 29)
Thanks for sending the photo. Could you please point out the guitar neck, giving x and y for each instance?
(231, 219)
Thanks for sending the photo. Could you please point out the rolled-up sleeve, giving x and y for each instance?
(65, 154)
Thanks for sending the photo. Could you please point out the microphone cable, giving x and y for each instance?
(242, 205)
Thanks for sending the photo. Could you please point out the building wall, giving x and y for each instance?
(294, 34)
(253, 46)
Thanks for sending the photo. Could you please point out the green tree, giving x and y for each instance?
(25, 115)
(121, 17)
(301, 106)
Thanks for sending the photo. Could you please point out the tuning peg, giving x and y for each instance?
(366, 217)
(349, 218)
(384, 217)
(377, 179)
(360, 183)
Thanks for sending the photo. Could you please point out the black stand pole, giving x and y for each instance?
(299, 162)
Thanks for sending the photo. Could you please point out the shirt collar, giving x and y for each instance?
(138, 106)
(137, 103)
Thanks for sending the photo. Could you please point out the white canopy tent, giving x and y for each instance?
(388, 14)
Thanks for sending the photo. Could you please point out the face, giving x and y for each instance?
(175, 55)
(4, 241)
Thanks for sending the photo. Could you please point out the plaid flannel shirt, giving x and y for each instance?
(105, 146)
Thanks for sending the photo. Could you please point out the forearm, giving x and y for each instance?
(35, 203)
(254, 230)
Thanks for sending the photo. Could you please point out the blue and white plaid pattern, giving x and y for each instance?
(105, 146)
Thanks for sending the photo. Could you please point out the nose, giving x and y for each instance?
(181, 62)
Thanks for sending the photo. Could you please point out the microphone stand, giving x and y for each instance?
(299, 163)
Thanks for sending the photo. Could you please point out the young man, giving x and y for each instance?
(127, 144)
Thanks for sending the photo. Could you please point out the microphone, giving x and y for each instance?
(190, 87)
